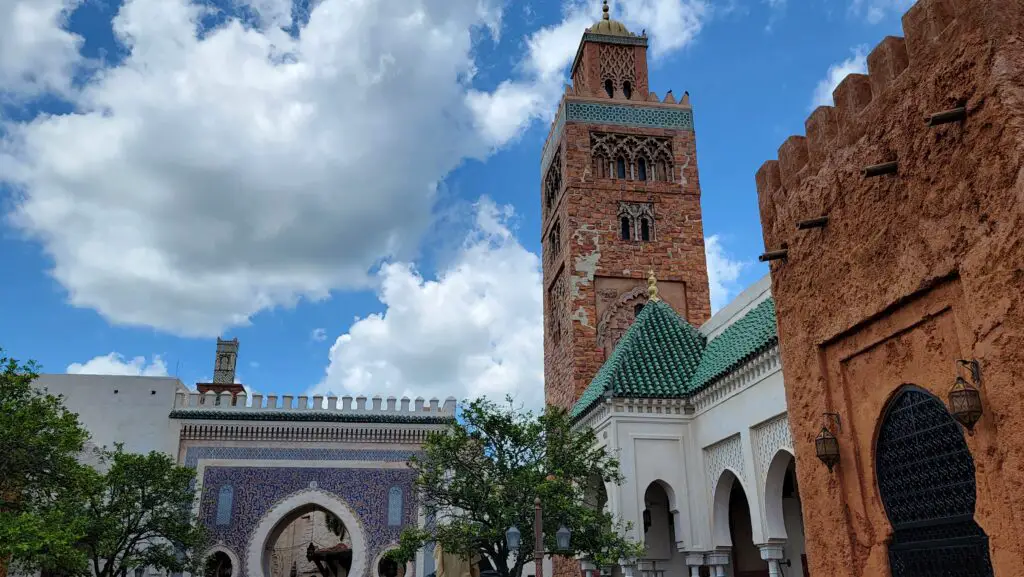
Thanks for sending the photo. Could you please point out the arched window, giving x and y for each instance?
(620, 167)
(645, 229)
(661, 171)
(609, 88)
(627, 233)
(600, 166)
(225, 498)
(641, 168)
(395, 507)
(627, 90)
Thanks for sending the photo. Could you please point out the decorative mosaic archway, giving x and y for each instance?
(926, 481)
(269, 525)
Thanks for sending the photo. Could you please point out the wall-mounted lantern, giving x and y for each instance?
(647, 520)
(965, 398)
(826, 445)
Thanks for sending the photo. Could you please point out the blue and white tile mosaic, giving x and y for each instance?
(255, 490)
(193, 454)
(235, 498)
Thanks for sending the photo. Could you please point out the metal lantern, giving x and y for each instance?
(139, 571)
(826, 445)
(647, 520)
(562, 538)
(513, 537)
(965, 398)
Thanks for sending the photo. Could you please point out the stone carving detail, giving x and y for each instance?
(724, 454)
(554, 245)
(557, 295)
(553, 181)
(768, 438)
(618, 317)
(631, 157)
(618, 64)
(636, 220)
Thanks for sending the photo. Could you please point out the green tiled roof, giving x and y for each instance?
(663, 356)
(745, 337)
(654, 359)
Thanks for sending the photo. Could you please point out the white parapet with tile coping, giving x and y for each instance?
(316, 403)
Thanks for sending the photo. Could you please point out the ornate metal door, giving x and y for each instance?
(926, 480)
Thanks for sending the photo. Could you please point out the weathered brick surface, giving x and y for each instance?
(598, 266)
(912, 272)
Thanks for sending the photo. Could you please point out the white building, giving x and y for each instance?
(698, 421)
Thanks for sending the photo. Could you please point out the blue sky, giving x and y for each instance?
(350, 187)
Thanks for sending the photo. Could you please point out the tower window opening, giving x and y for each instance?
(661, 171)
(620, 167)
(600, 167)
(641, 169)
(609, 88)
(645, 229)
(627, 90)
(626, 228)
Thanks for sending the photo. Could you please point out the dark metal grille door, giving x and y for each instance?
(926, 480)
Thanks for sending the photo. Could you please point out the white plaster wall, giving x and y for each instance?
(652, 448)
(737, 414)
(136, 415)
(794, 537)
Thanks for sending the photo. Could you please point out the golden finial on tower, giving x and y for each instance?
(652, 287)
(604, 10)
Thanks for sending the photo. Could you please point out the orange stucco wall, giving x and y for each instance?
(913, 271)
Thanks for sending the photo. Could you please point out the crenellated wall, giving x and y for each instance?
(347, 404)
(917, 267)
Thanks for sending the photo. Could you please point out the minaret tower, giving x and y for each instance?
(620, 198)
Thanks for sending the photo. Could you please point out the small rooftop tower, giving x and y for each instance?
(224, 371)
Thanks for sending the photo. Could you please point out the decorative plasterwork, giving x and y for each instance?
(670, 117)
(769, 438)
(754, 370)
(725, 454)
(300, 433)
(305, 416)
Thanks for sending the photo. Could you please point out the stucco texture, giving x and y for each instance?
(913, 271)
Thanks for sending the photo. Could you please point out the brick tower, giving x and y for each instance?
(620, 198)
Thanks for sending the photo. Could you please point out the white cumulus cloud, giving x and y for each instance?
(855, 64)
(37, 53)
(115, 364)
(216, 173)
(475, 330)
(723, 272)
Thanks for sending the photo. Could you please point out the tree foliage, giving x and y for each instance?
(41, 479)
(139, 514)
(481, 476)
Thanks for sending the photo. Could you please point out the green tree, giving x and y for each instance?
(41, 479)
(483, 473)
(139, 514)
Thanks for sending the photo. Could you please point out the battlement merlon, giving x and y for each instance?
(358, 405)
(914, 73)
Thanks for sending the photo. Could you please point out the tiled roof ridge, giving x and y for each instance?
(661, 336)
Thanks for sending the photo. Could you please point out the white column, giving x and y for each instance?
(772, 553)
(694, 561)
(718, 560)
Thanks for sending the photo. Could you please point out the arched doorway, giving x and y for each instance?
(746, 557)
(784, 513)
(304, 532)
(926, 481)
(309, 542)
(219, 565)
(661, 556)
